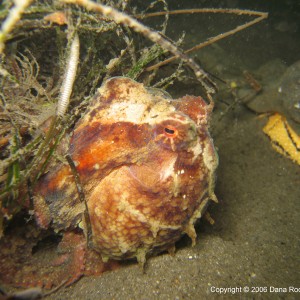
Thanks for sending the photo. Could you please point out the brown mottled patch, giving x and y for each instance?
(193, 107)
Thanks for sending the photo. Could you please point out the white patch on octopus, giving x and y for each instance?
(169, 170)
(197, 149)
(209, 157)
(125, 111)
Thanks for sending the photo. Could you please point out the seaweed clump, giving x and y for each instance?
(34, 55)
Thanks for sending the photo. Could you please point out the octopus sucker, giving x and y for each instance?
(147, 166)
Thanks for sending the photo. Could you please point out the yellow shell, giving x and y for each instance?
(283, 138)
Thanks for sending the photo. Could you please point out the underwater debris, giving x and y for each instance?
(283, 138)
(29, 294)
(58, 17)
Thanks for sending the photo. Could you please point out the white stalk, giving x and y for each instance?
(67, 85)
(14, 16)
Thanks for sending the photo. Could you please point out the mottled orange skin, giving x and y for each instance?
(146, 164)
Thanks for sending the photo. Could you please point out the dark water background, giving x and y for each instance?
(278, 36)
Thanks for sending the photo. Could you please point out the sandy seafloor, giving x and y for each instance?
(255, 240)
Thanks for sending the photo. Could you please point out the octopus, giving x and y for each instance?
(145, 165)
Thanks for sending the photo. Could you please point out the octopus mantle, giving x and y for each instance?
(146, 164)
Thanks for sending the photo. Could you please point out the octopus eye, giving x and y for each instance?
(170, 131)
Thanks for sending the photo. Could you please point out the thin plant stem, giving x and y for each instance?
(260, 16)
(204, 10)
(14, 16)
(126, 20)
